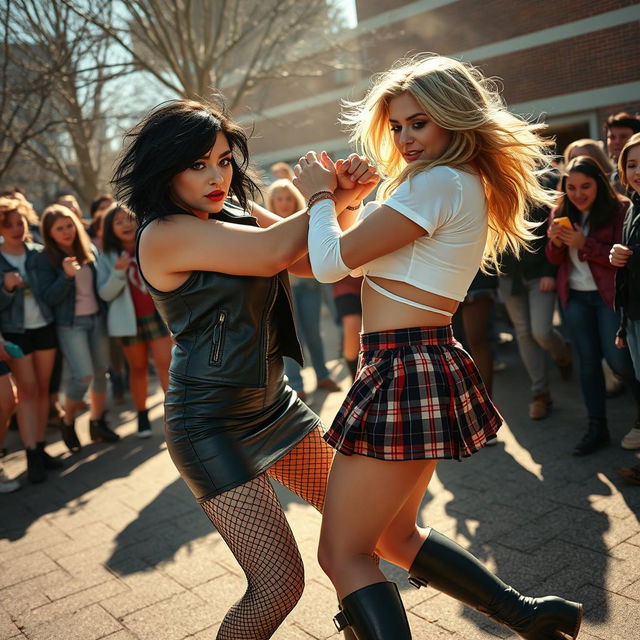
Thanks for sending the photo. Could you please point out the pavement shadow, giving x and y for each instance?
(69, 489)
(534, 513)
(173, 521)
(170, 522)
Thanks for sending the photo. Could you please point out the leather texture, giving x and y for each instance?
(448, 567)
(376, 612)
(229, 414)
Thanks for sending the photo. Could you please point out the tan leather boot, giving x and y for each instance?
(539, 407)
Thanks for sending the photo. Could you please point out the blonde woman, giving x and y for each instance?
(283, 199)
(461, 172)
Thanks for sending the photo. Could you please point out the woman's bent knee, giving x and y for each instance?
(400, 548)
(285, 589)
(325, 557)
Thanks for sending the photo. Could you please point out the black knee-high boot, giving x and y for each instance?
(448, 567)
(347, 632)
(374, 612)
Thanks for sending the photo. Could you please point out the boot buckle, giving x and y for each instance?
(417, 582)
(341, 620)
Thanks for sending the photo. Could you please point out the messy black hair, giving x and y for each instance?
(168, 141)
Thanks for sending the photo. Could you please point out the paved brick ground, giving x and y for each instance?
(114, 547)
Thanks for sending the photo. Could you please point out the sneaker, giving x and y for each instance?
(632, 439)
(539, 406)
(630, 474)
(6, 485)
(144, 427)
(327, 384)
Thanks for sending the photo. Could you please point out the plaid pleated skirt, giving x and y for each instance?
(150, 327)
(417, 395)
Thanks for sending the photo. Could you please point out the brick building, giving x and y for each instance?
(571, 62)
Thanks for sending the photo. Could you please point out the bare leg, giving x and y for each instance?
(137, 357)
(351, 528)
(43, 366)
(27, 412)
(161, 351)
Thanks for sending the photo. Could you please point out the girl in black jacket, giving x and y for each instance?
(626, 256)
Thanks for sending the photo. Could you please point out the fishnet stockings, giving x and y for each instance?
(251, 521)
(305, 469)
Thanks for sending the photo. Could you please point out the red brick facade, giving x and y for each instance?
(601, 57)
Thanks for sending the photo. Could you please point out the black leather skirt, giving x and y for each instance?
(220, 437)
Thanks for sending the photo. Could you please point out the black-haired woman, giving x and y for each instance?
(586, 286)
(215, 264)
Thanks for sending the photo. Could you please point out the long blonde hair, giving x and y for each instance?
(284, 185)
(12, 204)
(506, 152)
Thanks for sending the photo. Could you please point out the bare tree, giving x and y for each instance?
(24, 90)
(76, 59)
(195, 47)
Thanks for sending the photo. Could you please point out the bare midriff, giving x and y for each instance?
(380, 313)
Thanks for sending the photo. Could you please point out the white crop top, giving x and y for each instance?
(451, 207)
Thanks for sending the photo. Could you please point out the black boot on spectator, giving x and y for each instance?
(35, 466)
(99, 430)
(144, 427)
(597, 437)
(69, 436)
(48, 461)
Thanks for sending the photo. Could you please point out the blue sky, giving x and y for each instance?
(349, 9)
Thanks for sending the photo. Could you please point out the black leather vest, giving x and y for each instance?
(225, 327)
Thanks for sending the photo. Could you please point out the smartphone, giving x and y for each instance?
(564, 222)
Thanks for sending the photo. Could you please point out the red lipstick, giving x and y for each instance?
(215, 196)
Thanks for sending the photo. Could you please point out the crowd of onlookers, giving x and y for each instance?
(75, 313)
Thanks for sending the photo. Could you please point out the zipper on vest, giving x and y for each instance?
(218, 338)
(267, 330)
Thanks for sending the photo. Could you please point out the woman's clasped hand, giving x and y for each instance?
(317, 172)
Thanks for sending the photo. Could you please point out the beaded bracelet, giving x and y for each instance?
(320, 195)
(354, 207)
